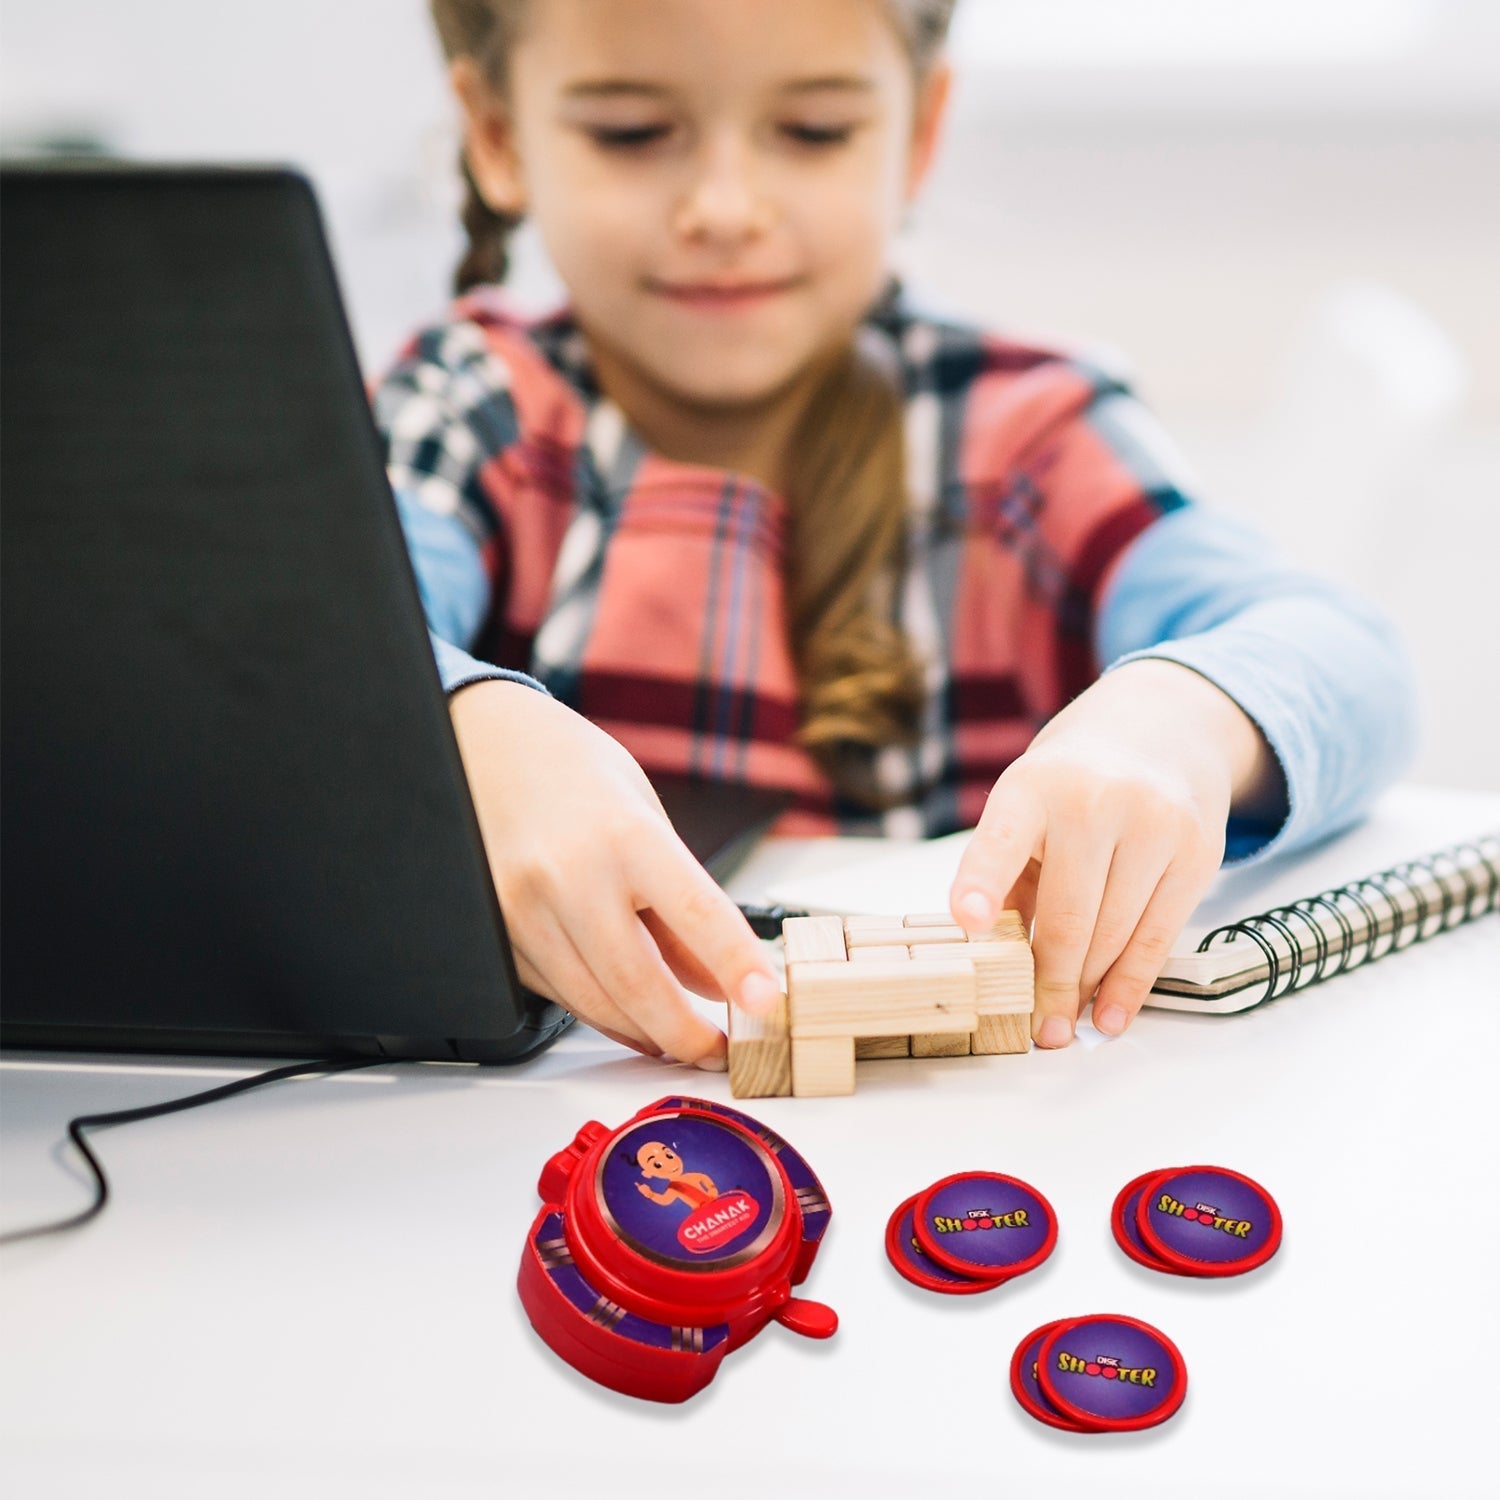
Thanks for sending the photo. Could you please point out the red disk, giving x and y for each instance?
(1208, 1221)
(906, 1254)
(984, 1224)
(1111, 1373)
(1123, 1221)
(1025, 1386)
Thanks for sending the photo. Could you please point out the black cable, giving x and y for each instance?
(80, 1123)
(765, 921)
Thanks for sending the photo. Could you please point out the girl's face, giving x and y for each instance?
(716, 181)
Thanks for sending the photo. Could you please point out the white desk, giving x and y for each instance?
(309, 1291)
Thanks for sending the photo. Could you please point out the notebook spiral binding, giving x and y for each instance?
(1409, 903)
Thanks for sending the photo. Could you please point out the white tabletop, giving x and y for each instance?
(310, 1290)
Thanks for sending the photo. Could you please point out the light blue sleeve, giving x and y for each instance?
(455, 591)
(1319, 670)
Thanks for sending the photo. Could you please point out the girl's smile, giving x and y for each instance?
(724, 297)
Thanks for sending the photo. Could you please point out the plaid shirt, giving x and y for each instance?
(650, 594)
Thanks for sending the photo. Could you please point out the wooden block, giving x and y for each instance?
(813, 939)
(950, 933)
(1008, 928)
(879, 986)
(1003, 975)
(881, 999)
(1006, 973)
(760, 1054)
(1010, 1033)
(863, 924)
(822, 1066)
(870, 1048)
(1016, 948)
(940, 1044)
(891, 936)
(906, 935)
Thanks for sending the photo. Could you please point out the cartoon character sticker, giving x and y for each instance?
(659, 1161)
(691, 1192)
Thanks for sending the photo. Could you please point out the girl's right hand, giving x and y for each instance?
(608, 912)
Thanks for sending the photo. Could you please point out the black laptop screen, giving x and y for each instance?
(234, 814)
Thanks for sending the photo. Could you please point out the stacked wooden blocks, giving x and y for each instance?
(868, 987)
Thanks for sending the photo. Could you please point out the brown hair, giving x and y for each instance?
(861, 684)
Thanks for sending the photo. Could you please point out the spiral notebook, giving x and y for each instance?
(1315, 937)
(1406, 875)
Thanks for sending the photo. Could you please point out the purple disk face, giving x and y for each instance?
(1027, 1390)
(906, 1254)
(1111, 1373)
(1208, 1220)
(985, 1224)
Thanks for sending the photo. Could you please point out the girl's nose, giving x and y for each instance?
(724, 201)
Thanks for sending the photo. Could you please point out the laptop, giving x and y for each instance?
(234, 816)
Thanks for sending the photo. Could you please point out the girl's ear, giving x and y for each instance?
(489, 139)
(931, 109)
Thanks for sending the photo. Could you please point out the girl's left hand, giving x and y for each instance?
(1108, 831)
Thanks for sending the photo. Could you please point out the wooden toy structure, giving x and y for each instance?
(868, 987)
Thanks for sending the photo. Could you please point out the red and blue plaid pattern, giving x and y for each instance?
(649, 594)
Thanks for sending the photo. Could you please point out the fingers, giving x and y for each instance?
(1126, 923)
(589, 951)
(702, 934)
(1010, 834)
(1022, 895)
(1070, 890)
(592, 949)
(1136, 868)
(690, 970)
(551, 965)
(627, 967)
(1124, 987)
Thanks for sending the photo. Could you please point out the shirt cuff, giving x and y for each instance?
(1318, 670)
(458, 669)
(1341, 729)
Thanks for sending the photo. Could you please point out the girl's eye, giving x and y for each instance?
(818, 135)
(628, 137)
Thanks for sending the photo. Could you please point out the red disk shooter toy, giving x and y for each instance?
(666, 1243)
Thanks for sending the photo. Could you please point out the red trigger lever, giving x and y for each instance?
(813, 1320)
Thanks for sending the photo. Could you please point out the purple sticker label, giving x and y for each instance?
(1209, 1216)
(690, 1193)
(1110, 1369)
(987, 1221)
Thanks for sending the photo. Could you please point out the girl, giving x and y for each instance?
(748, 509)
